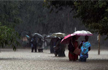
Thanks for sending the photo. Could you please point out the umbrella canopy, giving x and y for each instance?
(37, 34)
(67, 38)
(83, 33)
(58, 34)
(50, 37)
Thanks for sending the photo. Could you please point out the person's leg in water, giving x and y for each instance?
(35, 48)
(84, 59)
(55, 52)
(51, 49)
(81, 59)
(75, 57)
(61, 53)
(70, 56)
(32, 49)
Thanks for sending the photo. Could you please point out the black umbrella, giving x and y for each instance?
(37, 35)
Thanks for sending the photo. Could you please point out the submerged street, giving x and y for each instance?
(23, 59)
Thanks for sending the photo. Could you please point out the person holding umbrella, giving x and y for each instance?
(85, 47)
(73, 44)
(71, 40)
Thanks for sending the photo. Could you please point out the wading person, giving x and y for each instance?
(33, 44)
(60, 49)
(73, 44)
(85, 47)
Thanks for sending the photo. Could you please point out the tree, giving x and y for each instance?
(8, 36)
(9, 17)
(9, 13)
(93, 14)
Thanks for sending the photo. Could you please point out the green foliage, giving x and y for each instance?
(9, 13)
(8, 36)
(9, 18)
(93, 14)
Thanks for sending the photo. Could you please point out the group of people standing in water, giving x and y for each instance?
(84, 48)
(59, 48)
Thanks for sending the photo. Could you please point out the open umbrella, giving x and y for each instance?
(37, 34)
(50, 37)
(83, 33)
(67, 38)
(58, 34)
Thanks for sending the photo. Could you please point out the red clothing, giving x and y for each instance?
(73, 56)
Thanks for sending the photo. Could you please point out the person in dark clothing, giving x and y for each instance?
(33, 44)
(52, 44)
(60, 49)
(40, 48)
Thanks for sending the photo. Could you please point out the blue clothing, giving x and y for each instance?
(85, 49)
(32, 39)
(31, 45)
(82, 59)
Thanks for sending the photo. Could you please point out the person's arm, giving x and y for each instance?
(81, 44)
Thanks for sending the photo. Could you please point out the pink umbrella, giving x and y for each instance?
(67, 38)
(83, 33)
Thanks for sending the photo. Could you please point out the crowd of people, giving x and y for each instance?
(58, 48)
